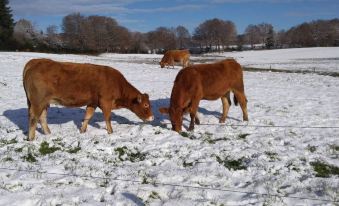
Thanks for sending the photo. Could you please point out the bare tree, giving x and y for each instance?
(300, 36)
(138, 43)
(53, 39)
(215, 33)
(95, 33)
(161, 39)
(73, 31)
(183, 37)
(315, 33)
(252, 35)
(260, 34)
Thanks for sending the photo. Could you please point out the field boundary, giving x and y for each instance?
(255, 69)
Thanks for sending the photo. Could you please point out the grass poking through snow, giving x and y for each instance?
(324, 170)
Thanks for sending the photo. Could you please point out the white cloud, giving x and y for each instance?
(267, 1)
(64, 7)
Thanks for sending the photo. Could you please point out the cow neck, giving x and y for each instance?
(128, 94)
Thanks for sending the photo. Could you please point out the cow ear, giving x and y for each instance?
(163, 110)
(139, 98)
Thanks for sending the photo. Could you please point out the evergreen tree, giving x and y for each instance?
(270, 39)
(6, 25)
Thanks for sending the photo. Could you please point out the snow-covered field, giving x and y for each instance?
(294, 124)
(305, 59)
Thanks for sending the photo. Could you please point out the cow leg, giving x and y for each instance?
(89, 114)
(43, 121)
(193, 112)
(106, 109)
(188, 110)
(243, 103)
(225, 108)
(34, 114)
(185, 63)
(197, 120)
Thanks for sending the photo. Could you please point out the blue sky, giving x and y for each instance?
(147, 15)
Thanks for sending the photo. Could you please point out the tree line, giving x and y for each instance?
(97, 34)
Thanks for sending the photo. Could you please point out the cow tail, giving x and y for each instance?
(25, 87)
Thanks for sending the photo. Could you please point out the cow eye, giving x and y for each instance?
(146, 105)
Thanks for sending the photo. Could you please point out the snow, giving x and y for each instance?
(309, 59)
(293, 122)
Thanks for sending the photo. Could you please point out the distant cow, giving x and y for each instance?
(74, 85)
(172, 56)
(209, 82)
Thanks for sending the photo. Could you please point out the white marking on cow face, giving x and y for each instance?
(149, 119)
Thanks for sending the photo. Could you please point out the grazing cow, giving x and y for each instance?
(74, 85)
(209, 82)
(171, 56)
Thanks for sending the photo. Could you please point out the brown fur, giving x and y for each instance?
(172, 56)
(75, 85)
(209, 82)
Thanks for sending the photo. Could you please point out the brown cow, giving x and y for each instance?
(74, 85)
(171, 56)
(209, 82)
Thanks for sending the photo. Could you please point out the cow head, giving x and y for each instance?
(142, 108)
(162, 64)
(175, 117)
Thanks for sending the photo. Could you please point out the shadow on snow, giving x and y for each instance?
(57, 115)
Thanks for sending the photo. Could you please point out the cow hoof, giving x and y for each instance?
(221, 120)
(245, 119)
(82, 130)
(191, 128)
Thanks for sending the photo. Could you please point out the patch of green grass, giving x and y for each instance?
(45, 149)
(213, 141)
(29, 157)
(324, 170)
(121, 152)
(207, 137)
(184, 134)
(104, 183)
(7, 142)
(334, 147)
(125, 154)
(8, 159)
(154, 195)
(59, 142)
(243, 136)
(292, 166)
(138, 156)
(272, 155)
(74, 150)
(145, 180)
(232, 164)
(187, 164)
(188, 135)
(18, 149)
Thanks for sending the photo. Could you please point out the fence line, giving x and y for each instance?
(232, 190)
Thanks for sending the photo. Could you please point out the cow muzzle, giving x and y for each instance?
(149, 119)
